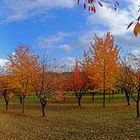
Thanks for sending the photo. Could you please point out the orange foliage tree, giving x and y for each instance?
(5, 89)
(105, 62)
(43, 81)
(91, 73)
(62, 85)
(131, 78)
(122, 79)
(19, 66)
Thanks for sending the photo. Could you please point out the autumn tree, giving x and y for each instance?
(4, 92)
(80, 81)
(43, 81)
(91, 74)
(105, 57)
(131, 78)
(62, 85)
(121, 80)
(19, 66)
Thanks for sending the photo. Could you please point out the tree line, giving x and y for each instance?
(102, 69)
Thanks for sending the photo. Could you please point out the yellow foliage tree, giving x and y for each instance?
(105, 64)
(20, 65)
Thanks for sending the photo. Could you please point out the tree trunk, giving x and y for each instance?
(6, 101)
(127, 97)
(122, 90)
(6, 105)
(64, 98)
(22, 105)
(112, 93)
(109, 96)
(43, 104)
(104, 98)
(128, 100)
(138, 99)
(138, 114)
(93, 94)
(79, 100)
(104, 85)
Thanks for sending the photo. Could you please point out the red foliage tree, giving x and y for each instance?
(80, 81)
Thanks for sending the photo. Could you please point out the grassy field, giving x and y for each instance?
(66, 121)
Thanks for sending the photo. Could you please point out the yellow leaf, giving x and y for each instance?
(137, 29)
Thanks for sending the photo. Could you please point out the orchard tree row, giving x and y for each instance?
(102, 69)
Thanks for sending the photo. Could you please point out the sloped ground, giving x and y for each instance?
(66, 121)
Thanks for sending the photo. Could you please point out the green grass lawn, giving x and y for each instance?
(66, 121)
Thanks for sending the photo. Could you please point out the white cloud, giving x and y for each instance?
(105, 19)
(66, 47)
(64, 64)
(128, 40)
(3, 62)
(59, 40)
(19, 10)
(117, 21)
(51, 41)
(67, 63)
(84, 39)
(136, 52)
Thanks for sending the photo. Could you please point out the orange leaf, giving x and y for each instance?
(137, 29)
(138, 18)
(93, 9)
(89, 1)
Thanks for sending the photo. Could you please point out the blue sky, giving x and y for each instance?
(63, 28)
